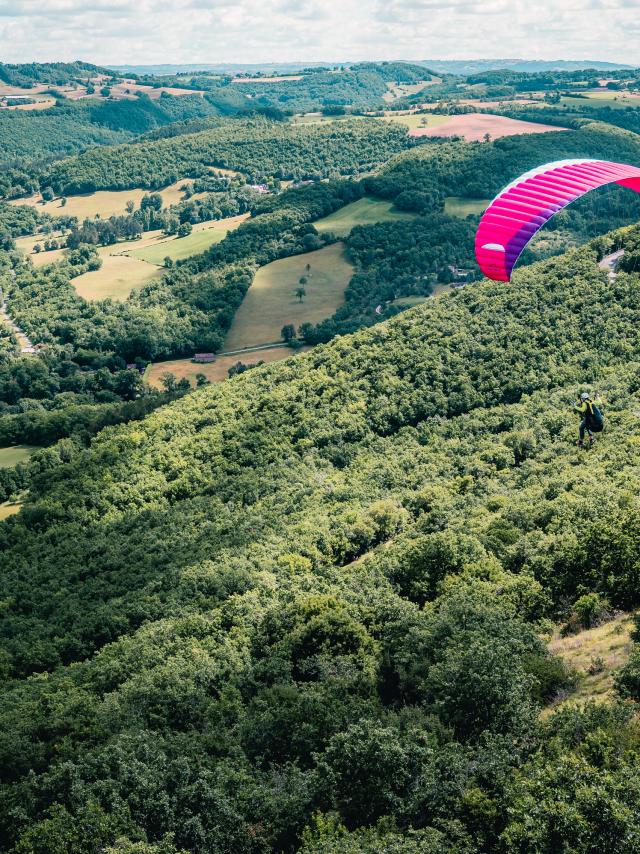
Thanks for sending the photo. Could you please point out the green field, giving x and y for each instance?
(414, 121)
(204, 235)
(270, 302)
(459, 206)
(363, 212)
(9, 457)
(599, 100)
(117, 277)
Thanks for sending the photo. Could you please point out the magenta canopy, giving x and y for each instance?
(530, 201)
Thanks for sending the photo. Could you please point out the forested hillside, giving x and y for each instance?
(257, 147)
(301, 610)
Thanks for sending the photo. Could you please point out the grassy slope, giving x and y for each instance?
(595, 654)
(270, 302)
(204, 235)
(116, 278)
(9, 457)
(363, 212)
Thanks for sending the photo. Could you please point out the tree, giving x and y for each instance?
(63, 202)
(47, 194)
(288, 333)
(168, 381)
(185, 229)
(300, 293)
(105, 91)
(37, 248)
(131, 205)
(303, 280)
(168, 262)
(201, 379)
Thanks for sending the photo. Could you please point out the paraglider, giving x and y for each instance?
(525, 205)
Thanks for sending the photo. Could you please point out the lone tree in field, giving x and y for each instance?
(307, 269)
(131, 206)
(303, 280)
(288, 333)
(487, 137)
(185, 229)
(168, 381)
(301, 294)
(168, 262)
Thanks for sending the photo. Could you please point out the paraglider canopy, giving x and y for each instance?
(530, 201)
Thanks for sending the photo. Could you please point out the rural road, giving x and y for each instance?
(610, 262)
(253, 349)
(26, 345)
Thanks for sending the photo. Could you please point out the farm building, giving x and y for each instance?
(204, 358)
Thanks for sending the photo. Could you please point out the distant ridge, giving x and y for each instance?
(450, 66)
(474, 66)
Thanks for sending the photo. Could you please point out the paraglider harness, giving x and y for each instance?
(592, 418)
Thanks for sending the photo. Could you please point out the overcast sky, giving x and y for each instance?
(191, 31)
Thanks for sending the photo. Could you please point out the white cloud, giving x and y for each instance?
(119, 31)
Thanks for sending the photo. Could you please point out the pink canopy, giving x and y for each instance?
(523, 207)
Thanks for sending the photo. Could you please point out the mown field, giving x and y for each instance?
(204, 235)
(414, 121)
(459, 206)
(9, 457)
(365, 211)
(103, 203)
(215, 371)
(475, 126)
(117, 277)
(270, 302)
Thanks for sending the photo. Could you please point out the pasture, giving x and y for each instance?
(11, 456)
(204, 235)
(461, 207)
(103, 203)
(417, 121)
(475, 126)
(117, 277)
(39, 259)
(216, 371)
(365, 211)
(271, 303)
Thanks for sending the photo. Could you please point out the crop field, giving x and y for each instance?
(204, 235)
(474, 126)
(9, 457)
(117, 277)
(216, 371)
(596, 654)
(459, 206)
(104, 203)
(365, 211)
(271, 303)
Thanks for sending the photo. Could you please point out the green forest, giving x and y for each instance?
(301, 610)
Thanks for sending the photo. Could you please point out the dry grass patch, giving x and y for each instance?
(118, 276)
(103, 203)
(216, 371)
(270, 302)
(595, 654)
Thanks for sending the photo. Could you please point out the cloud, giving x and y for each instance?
(252, 31)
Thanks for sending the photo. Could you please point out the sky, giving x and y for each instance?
(258, 31)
